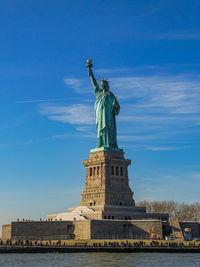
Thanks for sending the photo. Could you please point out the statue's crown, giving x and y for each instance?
(102, 80)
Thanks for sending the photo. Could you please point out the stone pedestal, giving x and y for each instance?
(106, 182)
(107, 189)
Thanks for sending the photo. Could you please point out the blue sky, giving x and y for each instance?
(148, 50)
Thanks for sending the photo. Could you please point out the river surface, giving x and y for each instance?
(100, 259)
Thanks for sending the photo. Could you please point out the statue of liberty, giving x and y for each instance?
(106, 108)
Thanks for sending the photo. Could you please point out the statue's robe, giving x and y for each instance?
(106, 108)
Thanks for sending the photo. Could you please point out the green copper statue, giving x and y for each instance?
(106, 108)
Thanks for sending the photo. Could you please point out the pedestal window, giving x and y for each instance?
(112, 170)
(117, 170)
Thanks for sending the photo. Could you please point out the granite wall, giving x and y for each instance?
(42, 230)
(6, 232)
(113, 229)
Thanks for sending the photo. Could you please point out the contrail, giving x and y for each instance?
(40, 100)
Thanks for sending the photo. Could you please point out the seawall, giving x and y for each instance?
(58, 249)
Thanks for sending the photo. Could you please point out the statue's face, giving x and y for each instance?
(104, 85)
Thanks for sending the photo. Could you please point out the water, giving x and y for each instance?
(100, 259)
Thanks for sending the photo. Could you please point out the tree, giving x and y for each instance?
(180, 211)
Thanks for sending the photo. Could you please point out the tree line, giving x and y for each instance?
(180, 211)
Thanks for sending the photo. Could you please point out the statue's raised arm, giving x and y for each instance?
(90, 73)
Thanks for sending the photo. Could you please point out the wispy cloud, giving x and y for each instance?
(73, 82)
(78, 85)
(180, 35)
(116, 70)
(37, 140)
(159, 100)
(162, 148)
(137, 137)
(74, 114)
(158, 91)
(126, 70)
(11, 125)
(192, 166)
(195, 175)
(84, 128)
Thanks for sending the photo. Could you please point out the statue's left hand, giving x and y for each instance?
(116, 107)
